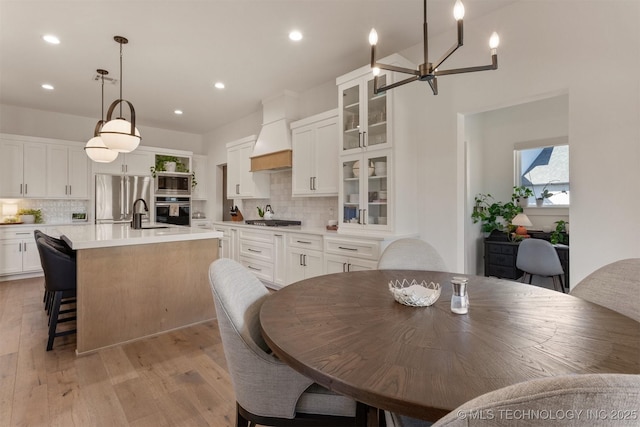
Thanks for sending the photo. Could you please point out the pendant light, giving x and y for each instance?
(118, 134)
(427, 71)
(95, 148)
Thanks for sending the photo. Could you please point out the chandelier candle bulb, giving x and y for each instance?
(458, 10)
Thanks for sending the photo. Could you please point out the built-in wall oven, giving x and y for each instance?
(173, 210)
(172, 184)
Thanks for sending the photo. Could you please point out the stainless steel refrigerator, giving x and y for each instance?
(115, 195)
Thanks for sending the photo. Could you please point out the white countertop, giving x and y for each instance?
(109, 235)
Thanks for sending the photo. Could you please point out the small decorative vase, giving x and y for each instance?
(170, 166)
(539, 202)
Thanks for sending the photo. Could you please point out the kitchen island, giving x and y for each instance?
(137, 283)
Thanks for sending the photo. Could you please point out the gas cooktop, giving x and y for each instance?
(272, 222)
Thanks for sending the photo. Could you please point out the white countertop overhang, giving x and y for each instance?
(92, 236)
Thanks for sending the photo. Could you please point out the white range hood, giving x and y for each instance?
(273, 147)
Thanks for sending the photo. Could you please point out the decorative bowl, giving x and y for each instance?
(356, 168)
(414, 294)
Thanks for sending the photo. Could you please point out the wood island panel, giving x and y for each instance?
(129, 292)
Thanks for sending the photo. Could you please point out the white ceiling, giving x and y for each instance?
(178, 48)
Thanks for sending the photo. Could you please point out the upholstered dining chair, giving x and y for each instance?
(60, 281)
(615, 286)
(411, 254)
(538, 257)
(571, 400)
(268, 391)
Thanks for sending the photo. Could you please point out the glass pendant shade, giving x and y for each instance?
(116, 135)
(98, 152)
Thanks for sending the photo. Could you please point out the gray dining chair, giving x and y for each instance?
(615, 286)
(538, 257)
(571, 400)
(411, 254)
(268, 391)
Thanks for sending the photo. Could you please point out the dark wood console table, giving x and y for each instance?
(500, 258)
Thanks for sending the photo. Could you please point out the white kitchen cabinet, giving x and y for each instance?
(315, 151)
(304, 256)
(341, 264)
(137, 162)
(343, 254)
(24, 169)
(18, 251)
(367, 191)
(67, 172)
(228, 243)
(363, 115)
(257, 253)
(380, 139)
(241, 182)
(199, 168)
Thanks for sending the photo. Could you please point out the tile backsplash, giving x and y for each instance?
(312, 211)
(55, 211)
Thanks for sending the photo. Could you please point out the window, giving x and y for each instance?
(543, 166)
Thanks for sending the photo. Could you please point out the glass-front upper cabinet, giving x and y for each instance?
(365, 195)
(363, 115)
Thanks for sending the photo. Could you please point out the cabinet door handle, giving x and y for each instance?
(254, 251)
(348, 267)
(69, 190)
(364, 139)
(237, 188)
(304, 260)
(22, 232)
(26, 188)
(254, 268)
(344, 267)
(24, 245)
(348, 249)
(20, 247)
(302, 241)
(20, 188)
(310, 183)
(359, 139)
(300, 260)
(314, 183)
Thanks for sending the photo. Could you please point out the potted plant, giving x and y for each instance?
(30, 216)
(165, 163)
(493, 215)
(559, 235)
(521, 195)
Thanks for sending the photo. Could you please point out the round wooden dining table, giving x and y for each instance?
(346, 332)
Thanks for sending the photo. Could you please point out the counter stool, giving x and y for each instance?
(61, 245)
(60, 281)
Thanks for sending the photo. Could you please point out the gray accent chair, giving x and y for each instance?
(571, 400)
(268, 391)
(615, 286)
(539, 257)
(411, 254)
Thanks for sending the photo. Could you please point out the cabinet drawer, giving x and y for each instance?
(262, 269)
(502, 249)
(256, 235)
(21, 233)
(503, 260)
(305, 241)
(365, 249)
(256, 250)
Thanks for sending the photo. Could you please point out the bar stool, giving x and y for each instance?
(59, 244)
(60, 281)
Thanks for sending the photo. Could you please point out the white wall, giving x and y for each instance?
(46, 124)
(590, 50)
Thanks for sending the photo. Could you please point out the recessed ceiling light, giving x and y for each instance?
(47, 86)
(295, 35)
(51, 39)
(177, 112)
(219, 85)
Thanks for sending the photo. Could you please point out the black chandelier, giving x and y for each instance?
(427, 71)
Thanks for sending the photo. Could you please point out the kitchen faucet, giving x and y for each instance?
(136, 223)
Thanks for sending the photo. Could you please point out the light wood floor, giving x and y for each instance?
(176, 379)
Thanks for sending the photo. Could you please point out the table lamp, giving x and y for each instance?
(522, 221)
(9, 210)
